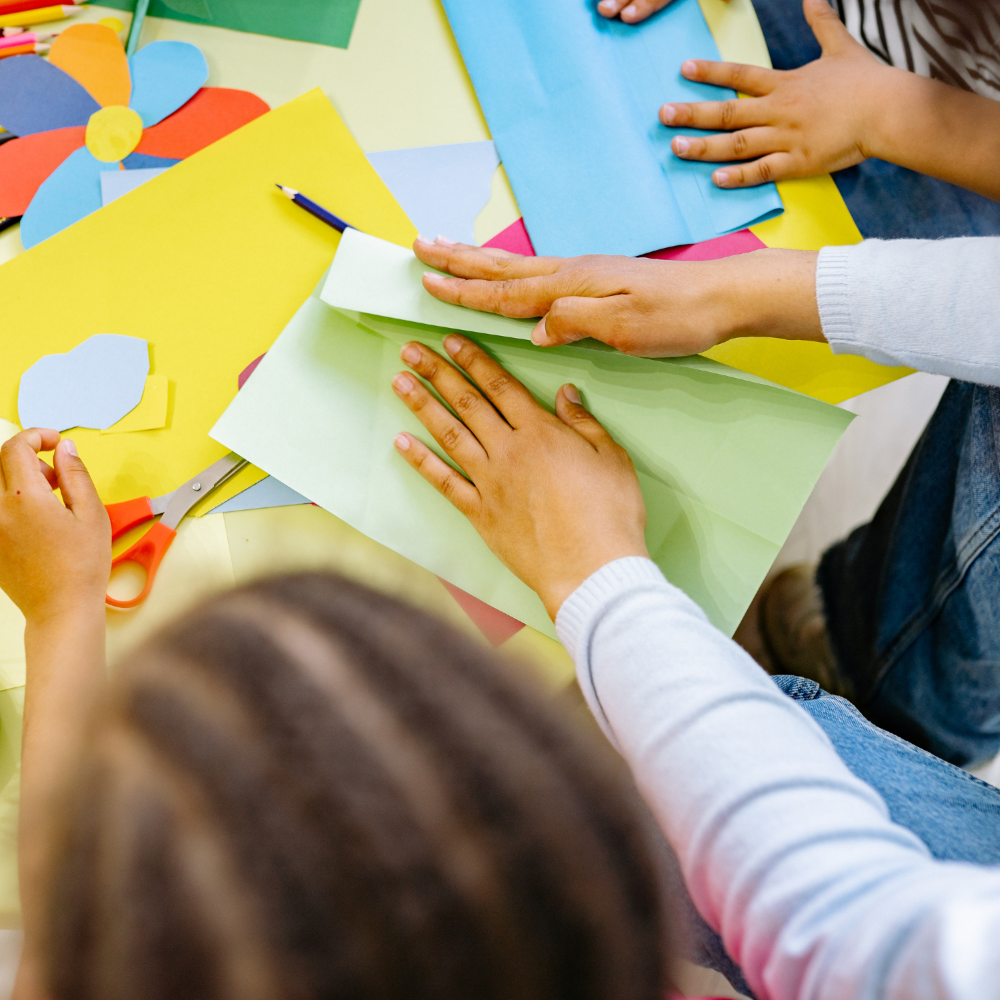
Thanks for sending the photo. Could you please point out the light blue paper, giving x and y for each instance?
(116, 183)
(269, 492)
(572, 99)
(94, 385)
(70, 192)
(441, 188)
(165, 76)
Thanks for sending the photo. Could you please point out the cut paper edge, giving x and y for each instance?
(93, 55)
(70, 193)
(248, 371)
(496, 626)
(165, 76)
(36, 96)
(116, 184)
(151, 413)
(269, 492)
(27, 163)
(212, 114)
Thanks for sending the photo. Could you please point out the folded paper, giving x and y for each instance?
(94, 385)
(208, 264)
(725, 460)
(374, 276)
(441, 188)
(572, 97)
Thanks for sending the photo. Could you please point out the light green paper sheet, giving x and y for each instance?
(370, 275)
(725, 463)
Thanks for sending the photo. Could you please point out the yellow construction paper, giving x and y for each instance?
(209, 264)
(151, 413)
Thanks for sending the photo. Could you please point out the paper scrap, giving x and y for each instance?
(725, 460)
(495, 625)
(151, 413)
(208, 264)
(26, 162)
(165, 76)
(115, 183)
(441, 188)
(94, 385)
(570, 96)
(241, 379)
(36, 96)
(267, 493)
(373, 276)
(328, 22)
(71, 192)
(94, 56)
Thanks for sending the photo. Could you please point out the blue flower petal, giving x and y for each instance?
(165, 76)
(72, 191)
(36, 96)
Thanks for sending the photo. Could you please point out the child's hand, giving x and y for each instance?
(631, 11)
(798, 123)
(53, 558)
(552, 495)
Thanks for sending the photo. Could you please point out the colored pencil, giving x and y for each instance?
(38, 16)
(27, 38)
(35, 49)
(135, 29)
(313, 209)
(8, 32)
(16, 6)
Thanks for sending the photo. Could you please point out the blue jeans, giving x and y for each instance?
(887, 202)
(956, 815)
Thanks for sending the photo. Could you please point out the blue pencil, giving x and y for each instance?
(313, 209)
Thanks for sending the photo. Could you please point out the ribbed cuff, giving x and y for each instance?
(610, 581)
(833, 296)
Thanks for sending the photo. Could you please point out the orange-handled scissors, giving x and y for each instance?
(149, 551)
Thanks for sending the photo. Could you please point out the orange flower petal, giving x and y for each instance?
(210, 115)
(94, 56)
(26, 163)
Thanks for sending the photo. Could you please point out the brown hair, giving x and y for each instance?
(307, 789)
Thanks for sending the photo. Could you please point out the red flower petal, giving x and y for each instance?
(26, 162)
(210, 115)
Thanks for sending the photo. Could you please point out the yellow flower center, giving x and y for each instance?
(112, 133)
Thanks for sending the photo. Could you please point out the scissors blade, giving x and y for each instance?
(195, 490)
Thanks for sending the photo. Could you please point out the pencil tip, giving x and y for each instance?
(286, 191)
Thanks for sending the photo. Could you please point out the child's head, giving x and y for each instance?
(308, 789)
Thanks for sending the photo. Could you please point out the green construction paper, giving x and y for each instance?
(370, 275)
(725, 463)
(329, 22)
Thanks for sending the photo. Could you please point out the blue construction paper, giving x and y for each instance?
(71, 191)
(36, 96)
(143, 161)
(268, 492)
(94, 385)
(115, 183)
(165, 76)
(441, 188)
(572, 98)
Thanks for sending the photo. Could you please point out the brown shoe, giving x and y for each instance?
(793, 630)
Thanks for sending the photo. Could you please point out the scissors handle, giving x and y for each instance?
(148, 553)
(128, 515)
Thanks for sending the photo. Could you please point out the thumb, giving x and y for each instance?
(570, 411)
(578, 316)
(826, 26)
(77, 488)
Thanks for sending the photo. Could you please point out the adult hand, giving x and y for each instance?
(650, 308)
(631, 11)
(54, 557)
(797, 123)
(552, 495)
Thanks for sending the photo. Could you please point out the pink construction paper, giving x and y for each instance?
(495, 625)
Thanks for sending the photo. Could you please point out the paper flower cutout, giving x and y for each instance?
(90, 109)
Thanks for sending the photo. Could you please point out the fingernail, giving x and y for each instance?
(410, 354)
(402, 442)
(445, 241)
(432, 275)
(607, 5)
(667, 114)
(70, 445)
(452, 345)
(682, 145)
(538, 335)
(572, 394)
(629, 11)
(689, 68)
(425, 241)
(403, 383)
(721, 178)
